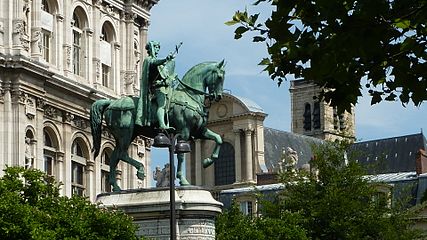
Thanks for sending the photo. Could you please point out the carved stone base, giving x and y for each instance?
(195, 211)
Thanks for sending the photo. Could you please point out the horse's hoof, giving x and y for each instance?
(207, 162)
(140, 174)
(184, 182)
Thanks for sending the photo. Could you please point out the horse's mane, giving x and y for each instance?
(197, 70)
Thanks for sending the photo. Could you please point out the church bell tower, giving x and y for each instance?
(315, 118)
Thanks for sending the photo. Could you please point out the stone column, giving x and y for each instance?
(198, 162)
(237, 155)
(90, 190)
(248, 150)
(60, 170)
(115, 67)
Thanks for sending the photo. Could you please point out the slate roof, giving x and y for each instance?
(389, 155)
(275, 140)
(250, 104)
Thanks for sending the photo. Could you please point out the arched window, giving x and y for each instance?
(225, 165)
(307, 117)
(105, 170)
(107, 54)
(50, 152)
(78, 163)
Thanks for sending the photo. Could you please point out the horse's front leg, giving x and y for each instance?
(139, 167)
(182, 180)
(208, 134)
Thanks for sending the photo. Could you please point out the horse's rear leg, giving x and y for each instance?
(114, 160)
(208, 134)
(182, 180)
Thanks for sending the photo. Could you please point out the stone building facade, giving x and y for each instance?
(239, 121)
(56, 58)
(316, 118)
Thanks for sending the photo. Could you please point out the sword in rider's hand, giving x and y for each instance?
(173, 54)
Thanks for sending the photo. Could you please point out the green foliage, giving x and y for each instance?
(232, 224)
(333, 201)
(31, 208)
(340, 44)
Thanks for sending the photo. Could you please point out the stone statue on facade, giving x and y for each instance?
(181, 110)
(162, 177)
(29, 157)
(289, 160)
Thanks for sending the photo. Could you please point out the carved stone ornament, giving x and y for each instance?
(51, 112)
(97, 2)
(22, 97)
(97, 69)
(80, 122)
(30, 108)
(20, 35)
(2, 92)
(67, 49)
(68, 117)
(41, 103)
(36, 39)
(106, 133)
(146, 4)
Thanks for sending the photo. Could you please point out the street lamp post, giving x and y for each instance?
(162, 141)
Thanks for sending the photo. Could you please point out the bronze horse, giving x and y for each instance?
(187, 114)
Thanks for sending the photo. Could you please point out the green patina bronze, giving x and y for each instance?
(182, 110)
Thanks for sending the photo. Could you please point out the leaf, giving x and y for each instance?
(402, 23)
(391, 97)
(258, 39)
(231, 22)
(264, 61)
(376, 97)
(239, 31)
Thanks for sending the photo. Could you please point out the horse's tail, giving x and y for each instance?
(96, 114)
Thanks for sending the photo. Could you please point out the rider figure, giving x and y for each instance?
(157, 75)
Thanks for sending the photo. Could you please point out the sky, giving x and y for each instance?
(199, 24)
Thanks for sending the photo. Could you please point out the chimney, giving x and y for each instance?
(421, 162)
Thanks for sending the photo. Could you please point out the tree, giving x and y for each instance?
(343, 45)
(234, 225)
(333, 201)
(31, 208)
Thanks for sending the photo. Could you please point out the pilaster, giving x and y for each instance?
(248, 151)
(238, 155)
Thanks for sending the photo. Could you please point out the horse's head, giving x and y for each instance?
(215, 81)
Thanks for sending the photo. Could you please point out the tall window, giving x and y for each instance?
(77, 169)
(77, 45)
(106, 54)
(225, 165)
(105, 171)
(105, 75)
(47, 24)
(316, 115)
(48, 153)
(45, 38)
(307, 117)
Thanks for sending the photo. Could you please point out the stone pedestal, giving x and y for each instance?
(150, 208)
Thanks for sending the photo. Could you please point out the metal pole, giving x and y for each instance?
(172, 188)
